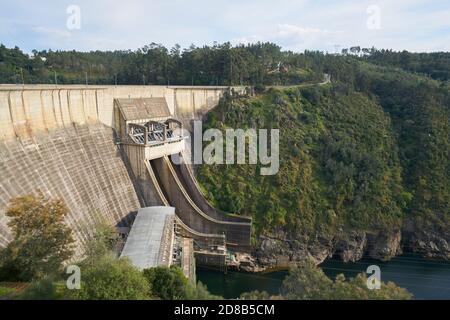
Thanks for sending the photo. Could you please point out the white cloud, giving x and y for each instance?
(289, 31)
(293, 37)
(54, 33)
(293, 24)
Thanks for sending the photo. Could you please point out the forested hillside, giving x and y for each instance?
(262, 63)
(435, 65)
(365, 162)
(338, 162)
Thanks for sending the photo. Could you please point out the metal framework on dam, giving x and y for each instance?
(105, 150)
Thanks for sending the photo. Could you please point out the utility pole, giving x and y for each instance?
(231, 69)
(115, 80)
(21, 73)
(56, 79)
(143, 79)
(86, 78)
(167, 71)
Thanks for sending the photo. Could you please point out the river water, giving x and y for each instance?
(425, 279)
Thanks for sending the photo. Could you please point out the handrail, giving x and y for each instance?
(192, 204)
(163, 199)
(197, 186)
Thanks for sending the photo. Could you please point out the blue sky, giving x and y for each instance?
(414, 25)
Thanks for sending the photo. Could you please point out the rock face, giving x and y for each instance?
(429, 244)
(280, 251)
(384, 246)
(277, 252)
(351, 247)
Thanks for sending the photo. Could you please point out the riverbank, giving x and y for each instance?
(425, 279)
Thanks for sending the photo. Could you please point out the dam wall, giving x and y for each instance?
(79, 164)
(31, 109)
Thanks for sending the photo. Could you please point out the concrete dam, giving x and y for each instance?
(106, 151)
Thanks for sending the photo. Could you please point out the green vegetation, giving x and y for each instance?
(105, 277)
(308, 282)
(420, 113)
(111, 279)
(43, 289)
(369, 152)
(435, 65)
(171, 284)
(220, 64)
(5, 291)
(42, 241)
(258, 295)
(328, 178)
(168, 284)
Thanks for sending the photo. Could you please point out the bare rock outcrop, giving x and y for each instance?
(429, 243)
(384, 246)
(281, 251)
(276, 252)
(351, 247)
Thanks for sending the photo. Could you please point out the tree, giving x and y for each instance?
(258, 295)
(101, 242)
(41, 240)
(167, 283)
(200, 292)
(171, 284)
(111, 279)
(306, 281)
(356, 289)
(42, 289)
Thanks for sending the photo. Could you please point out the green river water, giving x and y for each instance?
(425, 279)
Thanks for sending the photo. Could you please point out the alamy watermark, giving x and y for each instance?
(374, 278)
(232, 147)
(374, 19)
(73, 282)
(74, 19)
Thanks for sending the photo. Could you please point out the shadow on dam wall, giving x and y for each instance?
(81, 165)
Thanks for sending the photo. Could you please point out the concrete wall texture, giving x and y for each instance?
(80, 164)
(26, 110)
(60, 140)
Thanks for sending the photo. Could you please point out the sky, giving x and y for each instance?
(297, 25)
